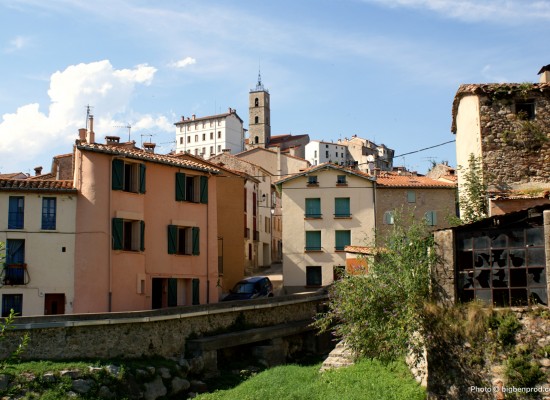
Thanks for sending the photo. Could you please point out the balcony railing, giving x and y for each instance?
(15, 274)
(313, 215)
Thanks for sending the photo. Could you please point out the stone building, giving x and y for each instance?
(507, 126)
(259, 112)
(367, 155)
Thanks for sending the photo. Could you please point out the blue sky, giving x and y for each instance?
(386, 70)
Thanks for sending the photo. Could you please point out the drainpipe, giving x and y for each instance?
(110, 238)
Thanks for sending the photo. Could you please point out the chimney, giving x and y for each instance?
(37, 171)
(183, 117)
(91, 135)
(193, 117)
(149, 147)
(112, 139)
(544, 74)
(226, 151)
(82, 135)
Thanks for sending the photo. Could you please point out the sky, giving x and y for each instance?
(385, 70)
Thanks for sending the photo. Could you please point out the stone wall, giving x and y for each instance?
(151, 333)
(512, 157)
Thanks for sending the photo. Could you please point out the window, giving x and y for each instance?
(525, 110)
(313, 208)
(219, 148)
(411, 196)
(504, 267)
(203, 151)
(314, 276)
(211, 135)
(219, 134)
(203, 137)
(129, 177)
(267, 225)
(326, 154)
(196, 138)
(183, 240)
(181, 140)
(256, 102)
(16, 212)
(196, 151)
(211, 149)
(341, 180)
(189, 139)
(191, 188)
(341, 207)
(388, 218)
(315, 153)
(313, 241)
(431, 218)
(128, 235)
(312, 180)
(256, 120)
(48, 212)
(12, 302)
(15, 268)
(341, 240)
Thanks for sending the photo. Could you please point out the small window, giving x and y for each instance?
(341, 180)
(49, 213)
(525, 110)
(312, 180)
(388, 218)
(128, 235)
(181, 139)
(189, 139)
(431, 218)
(203, 137)
(341, 240)
(191, 188)
(256, 140)
(313, 208)
(256, 120)
(12, 302)
(128, 177)
(327, 154)
(219, 134)
(211, 149)
(196, 138)
(211, 135)
(219, 148)
(314, 276)
(16, 212)
(341, 207)
(183, 240)
(256, 102)
(313, 241)
(411, 196)
(203, 152)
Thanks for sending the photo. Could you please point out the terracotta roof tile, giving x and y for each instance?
(36, 185)
(140, 154)
(11, 175)
(388, 179)
(48, 176)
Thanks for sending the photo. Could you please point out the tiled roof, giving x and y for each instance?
(521, 194)
(36, 185)
(274, 140)
(363, 250)
(11, 175)
(48, 176)
(139, 154)
(256, 149)
(388, 179)
(326, 165)
(225, 115)
(487, 89)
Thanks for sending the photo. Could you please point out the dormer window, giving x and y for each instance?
(312, 180)
(341, 180)
(525, 109)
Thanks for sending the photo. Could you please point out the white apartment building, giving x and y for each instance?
(319, 152)
(211, 135)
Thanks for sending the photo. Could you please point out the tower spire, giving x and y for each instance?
(259, 85)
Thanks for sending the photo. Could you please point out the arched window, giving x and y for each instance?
(256, 139)
(256, 120)
(256, 102)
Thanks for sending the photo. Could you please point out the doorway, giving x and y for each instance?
(54, 303)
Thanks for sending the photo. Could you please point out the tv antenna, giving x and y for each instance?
(149, 135)
(128, 126)
(88, 109)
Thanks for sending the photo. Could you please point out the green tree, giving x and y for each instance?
(473, 192)
(381, 313)
(7, 323)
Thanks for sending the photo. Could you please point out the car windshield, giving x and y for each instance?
(243, 287)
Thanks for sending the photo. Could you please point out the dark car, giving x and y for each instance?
(251, 288)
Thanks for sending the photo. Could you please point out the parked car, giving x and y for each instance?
(251, 288)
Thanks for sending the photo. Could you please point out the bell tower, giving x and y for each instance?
(259, 116)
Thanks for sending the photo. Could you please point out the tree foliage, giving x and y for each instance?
(473, 192)
(380, 314)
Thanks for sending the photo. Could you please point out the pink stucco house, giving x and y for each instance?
(146, 227)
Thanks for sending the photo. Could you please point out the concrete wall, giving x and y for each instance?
(151, 333)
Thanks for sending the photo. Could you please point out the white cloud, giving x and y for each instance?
(185, 62)
(26, 133)
(17, 43)
(499, 11)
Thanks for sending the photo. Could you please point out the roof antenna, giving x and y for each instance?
(127, 126)
(87, 114)
(259, 86)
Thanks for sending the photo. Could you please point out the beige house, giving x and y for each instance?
(326, 208)
(274, 161)
(37, 225)
(506, 125)
(427, 199)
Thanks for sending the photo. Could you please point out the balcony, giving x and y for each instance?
(256, 236)
(15, 274)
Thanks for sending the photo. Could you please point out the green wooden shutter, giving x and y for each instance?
(142, 168)
(172, 292)
(180, 186)
(172, 239)
(313, 208)
(342, 239)
(313, 240)
(118, 228)
(117, 174)
(195, 292)
(141, 235)
(204, 189)
(341, 207)
(196, 245)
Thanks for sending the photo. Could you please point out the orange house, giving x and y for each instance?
(146, 229)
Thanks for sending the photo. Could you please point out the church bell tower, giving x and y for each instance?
(259, 115)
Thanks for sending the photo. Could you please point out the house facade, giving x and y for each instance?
(506, 126)
(210, 135)
(326, 208)
(367, 155)
(274, 161)
(320, 152)
(428, 200)
(37, 227)
(146, 228)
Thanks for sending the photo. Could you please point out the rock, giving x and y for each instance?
(545, 362)
(48, 377)
(105, 393)
(72, 394)
(179, 385)
(198, 386)
(151, 370)
(4, 381)
(164, 373)
(94, 370)
(130, 387)
(73, 374)
(112, 369)
(83, 386)
(184, 364)
(142, 375)
(154, 389)
(196, 365)
(191, 395)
